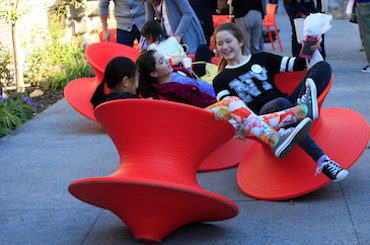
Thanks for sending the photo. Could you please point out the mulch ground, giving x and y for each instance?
(47, 99)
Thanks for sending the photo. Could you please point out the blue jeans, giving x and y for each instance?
(128, 38)
(321, 74)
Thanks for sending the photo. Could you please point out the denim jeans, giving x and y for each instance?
(128, 38)
(321, 74)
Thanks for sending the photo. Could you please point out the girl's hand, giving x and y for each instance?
(218, 115)
(178, 38)
(318, 43)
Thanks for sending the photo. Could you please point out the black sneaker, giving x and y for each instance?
(332, 170)
(288, 138)
(366, 69)
(309, 99)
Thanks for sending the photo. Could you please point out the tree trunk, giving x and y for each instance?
(17, 60)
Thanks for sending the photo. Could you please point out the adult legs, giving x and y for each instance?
(293, 12)
(363, 17)
(251, 25)
(256, 31)
(128, 37)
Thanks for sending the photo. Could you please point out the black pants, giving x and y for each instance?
(321, 74)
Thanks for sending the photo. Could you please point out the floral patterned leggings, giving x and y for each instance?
(246, 122)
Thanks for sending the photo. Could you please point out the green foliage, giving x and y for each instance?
(11, 10)
(6, 67)
(54, 60)
(14, 111)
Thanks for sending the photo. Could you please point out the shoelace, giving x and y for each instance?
(332, 168)
(304, 98)
(283, 131)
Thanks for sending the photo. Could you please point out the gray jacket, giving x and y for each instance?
(127, 13)
(183, 22)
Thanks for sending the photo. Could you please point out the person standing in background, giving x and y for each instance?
(130, 17)
(363, 19)
(179, 20)
(300, 9)
(204, 10)
(248, 16)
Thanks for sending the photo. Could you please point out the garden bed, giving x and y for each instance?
(47, 99)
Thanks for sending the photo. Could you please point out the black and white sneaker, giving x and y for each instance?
(309, 99)
(288, 138)
(332, 170)
(366, 69)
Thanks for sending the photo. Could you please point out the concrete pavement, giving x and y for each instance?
(60, 145)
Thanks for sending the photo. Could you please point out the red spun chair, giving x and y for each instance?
(99, 54)
(229, 154)
(214, 60)
(220, 19)
(270, 21)
(154, 191)
(79, 91)
(263, 176)
(343, 134)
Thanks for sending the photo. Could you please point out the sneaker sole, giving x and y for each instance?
(315, 108)
(342, 174)
(299, 133)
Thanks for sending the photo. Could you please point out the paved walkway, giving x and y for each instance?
(59, 146)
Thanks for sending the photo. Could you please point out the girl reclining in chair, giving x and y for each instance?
(122, 79)
(251, 77)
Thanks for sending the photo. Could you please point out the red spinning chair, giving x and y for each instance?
(270, 21)
(229, 154)
(99, 54)
(79, 91)
(154, 191)
(214, 60)
(219, 19)
(342, 134)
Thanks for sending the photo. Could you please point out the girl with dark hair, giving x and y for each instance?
(251, 78)
(121, 78)
(147, 63)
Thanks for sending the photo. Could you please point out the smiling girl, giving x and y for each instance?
(251, 78)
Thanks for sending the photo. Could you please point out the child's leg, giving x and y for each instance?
(234, 108)
(281, 118)
(245, 122)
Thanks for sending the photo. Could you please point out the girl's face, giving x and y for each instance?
(133, 83)
(228, 46)
(162, 66)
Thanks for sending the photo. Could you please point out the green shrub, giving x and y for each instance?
(14, 111)
(54, 61)
(6, 65)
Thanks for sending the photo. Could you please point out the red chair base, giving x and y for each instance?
(152, 210)
(226, 156)
(342, 134)
(78, 93)
(161, 145)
